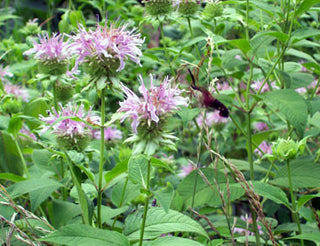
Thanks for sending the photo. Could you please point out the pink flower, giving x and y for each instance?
(16, 91)
(25, 131)
(248, 221)
(256, 85)
(266, 148)
(106, 43)
(50, 49)
(212, 118)
(261, 126)
(73, 126)
(157, 101)
(110, 133)
(4, 72)
(186, 170)
(301, 90)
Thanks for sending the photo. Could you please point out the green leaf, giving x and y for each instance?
(11, 177)
(271, 192)
(241, 44)
(165, 196)
(64, 212)
(304, 174)
(207, 194)
(124, 192)
(83, 235)
(159, 222)
(10, 161)
(33, 185)
(291, 105)
(159, 163)
(34, 108)
(76, 18)
(305, 6)
(15, 124)
(304, 199)
(64, 26)
(174, 241)
(138, 169)
(186, 114)
(121, 167)
(108, 213)
(315, 237)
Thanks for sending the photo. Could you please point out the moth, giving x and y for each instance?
(208, 100)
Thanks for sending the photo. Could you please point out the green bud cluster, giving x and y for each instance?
(158, 7)
(188, 7)
(286, 149)
(213, 10)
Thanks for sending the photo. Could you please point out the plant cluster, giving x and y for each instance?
(160, 122)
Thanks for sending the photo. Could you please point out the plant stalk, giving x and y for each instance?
(295, 215)
(100, 190)
(146, 205)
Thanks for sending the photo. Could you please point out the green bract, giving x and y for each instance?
(158, 7)
(285, 149)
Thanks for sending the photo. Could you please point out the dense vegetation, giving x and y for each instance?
(159, 122)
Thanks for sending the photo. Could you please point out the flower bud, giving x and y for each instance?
(285, 149)
(63, 92)
(53, 67)
(213, 10)
(188, 7)
(75, 142)
(158, 7)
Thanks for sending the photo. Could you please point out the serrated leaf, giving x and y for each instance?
(304, 199)
(159, 222)
(138, 169)
(291, 105)
(83, 235)
(159, 163)
(187, 114)
(63, 212)
(273, 193)
(304, 173)
(108, 213)
(241, 44)
(33, 185)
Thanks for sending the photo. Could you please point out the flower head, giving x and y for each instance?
(261, 126)
(256, 85)
(16, 91)
(4, 72)
(285, 149)
(158, 7)
(69, 125)
(156, 102)
(107, 47)
(110, 134)
(187, 7)
(265, 147)
(50, 49)
(186, 170)
(248, 220)
(213, 119)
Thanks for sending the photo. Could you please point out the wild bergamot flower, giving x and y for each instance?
(53, 53)
(70, 125)
(149, 112)
(105, 49)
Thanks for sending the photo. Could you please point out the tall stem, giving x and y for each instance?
(250, 160)
(100, 190)
(24, 164)
(146, 205)
(295, 215)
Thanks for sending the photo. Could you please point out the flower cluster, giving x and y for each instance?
(213, 119)
(16, 91)
(157, 102)
(256, 85)
(107, 47)
(265, 147)
(4, 72)
(110, 134)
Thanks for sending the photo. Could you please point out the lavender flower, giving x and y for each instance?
(110, 134)
(107, 47)
(27, 133)
(249, 221)
(52, 49)
(186, 170)
(265, 147)
(212, 118)
(73, 132)
(4, 72)
(261, 126)
(156, 103)
(16, 91)
(256, 85)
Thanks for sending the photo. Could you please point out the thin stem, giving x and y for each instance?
(247, 20)
(250, 160)
(295, 215)
(191, 33)
(198, 157)
(146, 205)
(165, 48)
(24, 164)
(55, 102)
(100, 190)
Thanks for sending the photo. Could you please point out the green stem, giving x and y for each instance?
(146, 205)
(55, 102)
(191, 33)
(295, 215)
(247, 20)
(24, 164)
(165, 48)
(100, 190)
(250, 160)
(82, 197)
